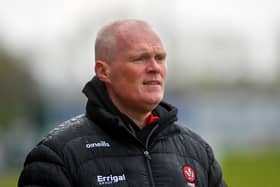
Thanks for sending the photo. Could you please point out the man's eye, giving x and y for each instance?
(160, 57)
(140, 58)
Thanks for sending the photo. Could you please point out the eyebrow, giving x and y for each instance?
(146, 54)
(145, 51)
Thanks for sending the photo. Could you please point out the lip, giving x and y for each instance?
(152, 82)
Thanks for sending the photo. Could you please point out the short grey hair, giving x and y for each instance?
(105, 43)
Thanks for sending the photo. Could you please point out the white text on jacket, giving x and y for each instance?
(110, 179)
(97, 144)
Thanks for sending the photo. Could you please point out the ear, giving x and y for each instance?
(102, 71)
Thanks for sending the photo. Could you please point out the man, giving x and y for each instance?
(128, 136)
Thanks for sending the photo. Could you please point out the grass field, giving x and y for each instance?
(251, 169)
(9, 178)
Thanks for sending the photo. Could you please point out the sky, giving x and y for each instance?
(51, 18)
(58, 35)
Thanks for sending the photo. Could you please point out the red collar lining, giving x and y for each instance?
(151, 118)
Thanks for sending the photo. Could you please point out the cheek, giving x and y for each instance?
(164, 71)
(132, 74)
(127, 77)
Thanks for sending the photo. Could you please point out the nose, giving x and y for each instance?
(153, 66)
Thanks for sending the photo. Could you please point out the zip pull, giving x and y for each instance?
(147, 155)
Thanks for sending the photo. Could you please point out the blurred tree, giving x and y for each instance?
(19, 95)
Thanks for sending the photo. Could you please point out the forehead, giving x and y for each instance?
(138, 38)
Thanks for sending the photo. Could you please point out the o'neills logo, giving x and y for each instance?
(97, 144)
(110, 179)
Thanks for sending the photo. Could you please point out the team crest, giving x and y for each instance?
(190, 175)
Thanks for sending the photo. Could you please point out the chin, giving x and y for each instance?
(152, 99)
(148, 107)
(155, 101)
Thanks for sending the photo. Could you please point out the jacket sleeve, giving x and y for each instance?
(43, 167)
(215, 173)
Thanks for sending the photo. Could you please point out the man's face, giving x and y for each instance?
(138, 69)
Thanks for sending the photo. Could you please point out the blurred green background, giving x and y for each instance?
(223, 75)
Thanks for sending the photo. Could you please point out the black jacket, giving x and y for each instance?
(105, 148)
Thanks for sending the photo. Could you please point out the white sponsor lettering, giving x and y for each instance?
(110, 179)
(97, 144)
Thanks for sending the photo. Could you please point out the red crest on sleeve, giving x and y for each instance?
(189, 174)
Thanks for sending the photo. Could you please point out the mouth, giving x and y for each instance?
(152, 83)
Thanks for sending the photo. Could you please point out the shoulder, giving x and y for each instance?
(52, 146)
(74, 128)
(46, 161)
(192, 135)
(195, 143)
(202, 152)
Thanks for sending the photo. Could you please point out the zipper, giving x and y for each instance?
(150, 174)
(148, 157)
(146, 153)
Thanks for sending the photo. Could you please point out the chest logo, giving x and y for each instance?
(190, 175)
(110, 179)
(97, 144)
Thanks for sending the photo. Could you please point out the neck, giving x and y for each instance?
(138, 113)
(138, 116)
(138, 119)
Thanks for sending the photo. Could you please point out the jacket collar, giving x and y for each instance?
(101, 110)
